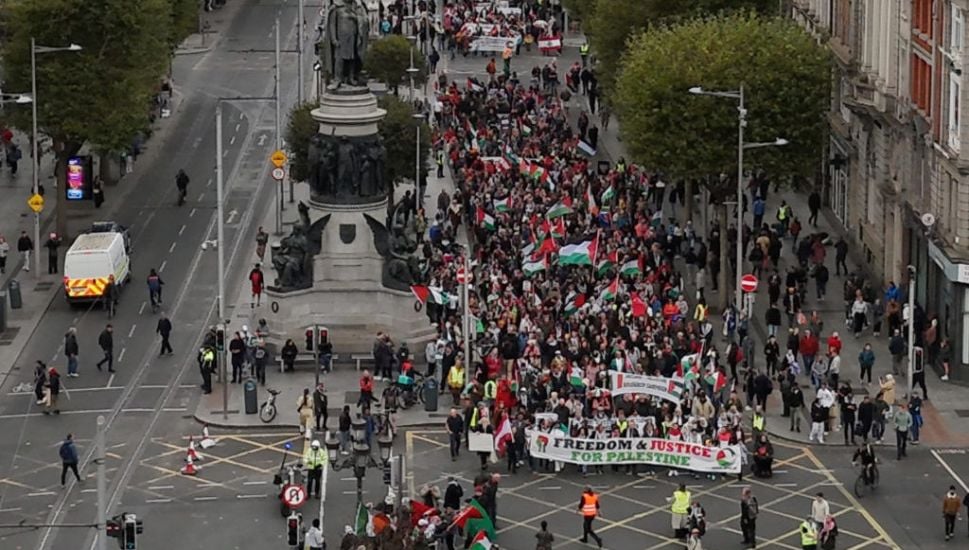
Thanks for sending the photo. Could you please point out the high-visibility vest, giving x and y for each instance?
(474, 419)
(809, 535)
(590, 505)
(455, 377)
(681, 502)
(701, 313)
(208, 356)
(758, 422)
(490, 389)
(584, 49)
(314, 458)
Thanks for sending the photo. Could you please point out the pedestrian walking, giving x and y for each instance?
(950, 510)
(820, 509)
(866, 360)
(71, 350)
(320, 404)
(24, 247)
(818, 418)
(237, 356)
(257, 280)
(679, 508)
(589, 508)
(206, 361)
(304, 408)
(915, 409)
(4, 252)
(260, 358)
(68, 453)
(181, 184)
(164, 329)
(809, 534)
(544, 538)
(455, 428)
(748, 517)
(840, 256)
(896, 346)
(97, 191)
(814, 205)
(903, 423)
(106, 341)
(314, 536)
(52, 245)
(315, 460)
(52, 392)
(40, 381)
(262, 239)
(796, 406)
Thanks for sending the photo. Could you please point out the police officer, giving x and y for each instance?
(314, 459)
(584, 52)
(440, 163)
(206, 365)
(809, 534)
(589, 508)
(679, 510)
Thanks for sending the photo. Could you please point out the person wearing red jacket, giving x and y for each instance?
(366, 389)
(808, 346)
(834, 343)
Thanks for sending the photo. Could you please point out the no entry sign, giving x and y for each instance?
(748, 283)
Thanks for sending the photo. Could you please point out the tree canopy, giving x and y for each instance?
(388, 59)
(786, 78)
(185, 20)
(610, 23)
(299, 130)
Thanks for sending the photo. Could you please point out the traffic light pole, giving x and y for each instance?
(102, 532)
(316, 353)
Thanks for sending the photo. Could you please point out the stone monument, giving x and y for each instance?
(347, 264)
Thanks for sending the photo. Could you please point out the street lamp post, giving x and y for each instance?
(360, 459)
(35, 160)
(419, 118)
(911, 327)
(741, 147)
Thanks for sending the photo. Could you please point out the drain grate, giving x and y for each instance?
(962, 413)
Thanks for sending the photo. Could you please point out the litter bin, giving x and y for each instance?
(3, 310)
(430, 394)
(251, 398)
(13, 289)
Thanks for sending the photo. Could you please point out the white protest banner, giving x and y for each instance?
(670, 389)
(481, 442)
(491, 43)
(635, 450)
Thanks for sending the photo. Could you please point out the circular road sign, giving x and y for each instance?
(279, 174)
(748, 283)
(463, 276)
(294, 496)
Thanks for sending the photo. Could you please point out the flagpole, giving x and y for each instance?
(467, 310)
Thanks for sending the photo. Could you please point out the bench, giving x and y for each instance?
(361, 357)
(303, 358)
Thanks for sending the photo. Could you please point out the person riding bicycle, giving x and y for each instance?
(866, 454)
(181, 182)
(405, 382)
(154, 288)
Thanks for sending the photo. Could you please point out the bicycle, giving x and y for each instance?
(154, 296)
(267, 411)
(863, 484)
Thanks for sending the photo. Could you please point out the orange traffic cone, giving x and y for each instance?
(206, 441)
(190, 469)
(191, 454)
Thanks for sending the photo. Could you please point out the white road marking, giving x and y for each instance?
(644, 487)
(205, 498)
(208, 183)
(238, 125)
(10, 509)
(182, 230)
(172, 248)
(202, 196)
(121, 355)
(255, 482)
(326, 473)
(54, 358)
(161, 487)
(232, 140)
(40, 494)
(73, 390)
(110, 380)
(31, 415)
(553, 488)
(225, 153)
(348, 479)
(162, 266)
(785, 485)
(251, 496)
(353, 492)
(142, 308)
(131, 331)
(951, 472)
(89, 490)
(191, 213)
(158, 500)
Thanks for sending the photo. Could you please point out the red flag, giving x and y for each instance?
(639, 306)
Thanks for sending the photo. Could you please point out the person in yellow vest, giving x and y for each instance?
(490, 392)
(314, 458)
(680, 510)
(589, 508)
(584, 52)
(809, 534)
(758, 423)
(506, 55)
(455, 380)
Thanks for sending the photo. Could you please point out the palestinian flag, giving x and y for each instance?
(526, 130)
(532, 268)
(474, 520)
(638, 306)
(532, 169)
(558, 210)
(573, 302)
(558, 228)
(717, 380)
(611, 291)
(630, 268)
(590, 200)
(432, 294)
(481, 542)
(608, 195)
(479, 326)
(363, 524)
(689, 367)
(583, 253)
(503, 205)
(485, 219)
(546, 247)
(575, 377)
(607, 263)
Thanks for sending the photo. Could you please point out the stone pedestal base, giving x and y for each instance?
(347, 251)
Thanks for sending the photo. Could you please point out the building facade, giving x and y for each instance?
(898, 174)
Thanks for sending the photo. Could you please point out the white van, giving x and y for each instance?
(92, 263)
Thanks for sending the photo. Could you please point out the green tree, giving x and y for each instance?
(580, 10)
(100, 95)
(786, 76)
(389, 58)
(300, 129)
(398, 131)
(610, 23)
(185, 20)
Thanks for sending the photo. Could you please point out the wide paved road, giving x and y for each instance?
(148, 396)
